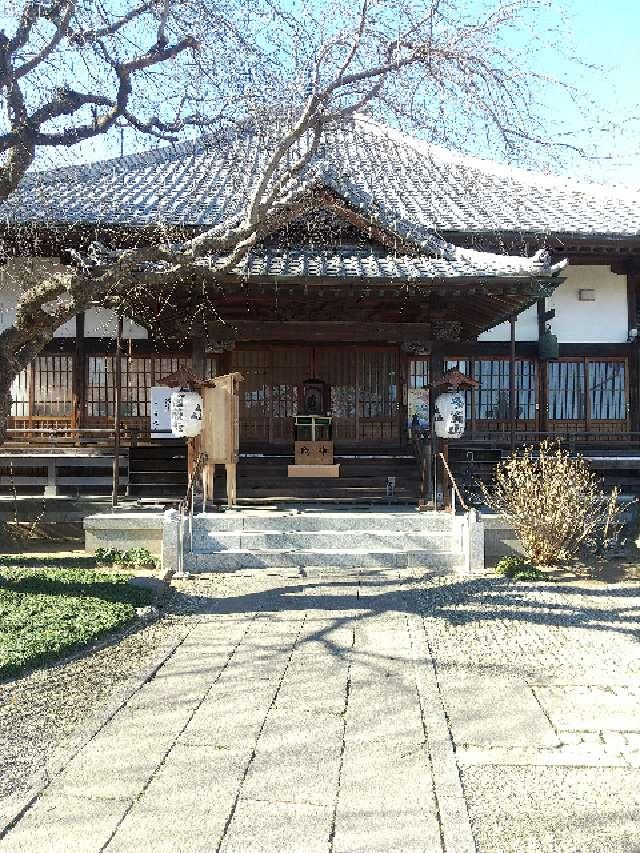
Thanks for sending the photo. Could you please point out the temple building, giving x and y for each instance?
(398, 260)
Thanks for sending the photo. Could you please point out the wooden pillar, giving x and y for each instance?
(436, 370)
(117, 390)
(633, 290)
(542, 373)
(79, 367)
(446, 482)
(403, 389)
(512, 384)
(198, 357)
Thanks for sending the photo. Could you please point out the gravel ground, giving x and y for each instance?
(553, 809)
(503, 642)
(552, 644)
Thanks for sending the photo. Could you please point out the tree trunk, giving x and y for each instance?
(7, 376)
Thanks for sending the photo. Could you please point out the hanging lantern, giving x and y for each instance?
(186, 413)
(449, 414)
(548, 346)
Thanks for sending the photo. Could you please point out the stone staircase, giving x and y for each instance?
(375, 539)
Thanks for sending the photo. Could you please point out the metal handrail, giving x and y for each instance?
(454, 484)
(187, 504)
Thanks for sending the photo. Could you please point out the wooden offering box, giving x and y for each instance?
(313, 448)
(314, 452)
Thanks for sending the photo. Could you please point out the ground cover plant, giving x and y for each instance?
(518, 569)
(47, 612)
(130, 557)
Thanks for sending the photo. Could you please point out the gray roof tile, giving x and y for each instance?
(409, 186)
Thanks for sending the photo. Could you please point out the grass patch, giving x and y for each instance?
(46, 561)
(46, 612)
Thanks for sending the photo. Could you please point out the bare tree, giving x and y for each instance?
(432, 64)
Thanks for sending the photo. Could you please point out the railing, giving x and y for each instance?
(454, 486)
(186, 507)
(500, 438)
(130, 434)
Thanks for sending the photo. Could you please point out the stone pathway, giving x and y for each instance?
(368, 712)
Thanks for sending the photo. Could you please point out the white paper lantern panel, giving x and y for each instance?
(450, 414)
(186, 414)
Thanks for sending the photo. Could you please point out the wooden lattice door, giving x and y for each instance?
(270, 391)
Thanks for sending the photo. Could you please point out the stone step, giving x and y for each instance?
(232, 560)
(303, 522)
(207, 541)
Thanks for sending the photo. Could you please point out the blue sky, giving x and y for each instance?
(608, 35)
(605, 36)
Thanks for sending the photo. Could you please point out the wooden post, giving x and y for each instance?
(231, 483)
(436, 370)
(198, 357)
(446, 493)
(78, 376)
(542, 374)
(633, 288)
(209, 483)
(512, 384)
(116, 418)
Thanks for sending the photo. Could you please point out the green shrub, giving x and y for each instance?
(133, 556)
(108, 556)
(138, 556)
(518, 569)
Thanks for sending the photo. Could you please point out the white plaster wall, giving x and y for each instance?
(102, 323)
(603, 321)
(19, 273)
(526, 328)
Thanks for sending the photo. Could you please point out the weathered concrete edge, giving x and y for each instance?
(16, 805)
(455, 823)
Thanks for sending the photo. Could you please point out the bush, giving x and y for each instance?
(555, 502)
(518, 569)
(133, 556)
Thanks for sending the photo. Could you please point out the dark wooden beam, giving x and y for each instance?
(321, 331)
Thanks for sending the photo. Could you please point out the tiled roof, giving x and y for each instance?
(407, 185)
(355, 262)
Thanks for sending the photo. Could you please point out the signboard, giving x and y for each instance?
(418, 408)
(314, 452)
(161, 411)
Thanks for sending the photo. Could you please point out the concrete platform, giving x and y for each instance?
(385, 539)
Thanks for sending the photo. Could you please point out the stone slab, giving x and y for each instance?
(386, 798)
(494, 711)
(123, 530)
(199, 782)
(576, 755)
(592, 708)
(231, 561)
(59, 823)
(374, 540)
(260, 826)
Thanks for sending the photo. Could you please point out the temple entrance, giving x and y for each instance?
(365, 392)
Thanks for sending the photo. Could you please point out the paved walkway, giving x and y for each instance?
(368, 713)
